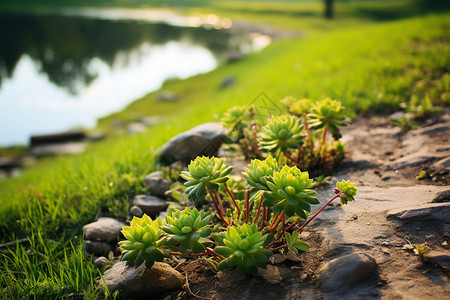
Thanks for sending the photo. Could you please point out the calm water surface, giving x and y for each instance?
(58, 72)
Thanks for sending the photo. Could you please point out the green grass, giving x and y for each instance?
(371, 68)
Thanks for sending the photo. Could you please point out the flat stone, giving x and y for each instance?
(440, 258)
(346, 271)
(166, 97)
(157, 185)
(204, 139)
(136, 127)
(435, 211)
(277, 259)
(136, 211)
(142, 282)
(292, 256)
(271, 274)
(443, 196)
(98, 248)
(150, 205)
(432, 129)
(103, 230)
(414, 159)
(443, 164)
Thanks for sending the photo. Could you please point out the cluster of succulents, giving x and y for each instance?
(205, 174)
(242, 246)
(282, 133)
(143, 242)
(189, 228)
(258, 172)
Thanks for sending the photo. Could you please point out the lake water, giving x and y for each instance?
(63, 71)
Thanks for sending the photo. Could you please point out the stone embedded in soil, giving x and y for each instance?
(277, 259)
(432, 211)
(271, 274)
(142, 282)
(346, 271)
(415, 159)
(150, 205)
(100, 261)
(136, 211)
(103, 230)
(443, 196)
(204, 139)
(292, 256)
(440, 258)
(443, 164)
(157, 185)
(98, 248)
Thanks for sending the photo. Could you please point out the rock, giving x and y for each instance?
(440, 258)
(98, 248)
(292, 256)
(166, 97)
(100, 261)
(346, 271)
(277, 259)
(58, 138)
(435, 211)
(431, 130)
(271, 274)
(157, 185)
(142, 282)
(103, 230)
(150, 205)
(414, 159)
(443, 196)
(204, 139)
(136, 127)
(443, 164)
(136, 211)
(151, 120)
(227, 81)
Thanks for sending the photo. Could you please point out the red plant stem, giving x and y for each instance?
(217, 209)
(280, 247)
(234, 200)
(312, 218)
(247, 196)
(199, 254)
(271, 243)
(174, 253)
(259, 208)
(220, 202)
(284, 223)
(325, 129)
(212, 252)
(292, 225)
(288, 156)
(274, 229)
(265, 210)
(273, 221)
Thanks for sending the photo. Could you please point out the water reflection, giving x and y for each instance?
(57, 72)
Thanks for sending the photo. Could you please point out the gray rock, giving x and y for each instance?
(136, 127)
(98, 248)
(157, 185)
(204, 139)
(430, 130)
(443, 196)
(227, 81)
(435, 211)
(166, 97)
(414, 159)
(100, 261)
(277, 259)
(142, 282)
(136, 211)
(443, 164)
(150, 205)
(103, 230)
(439, 258)
(346, 271)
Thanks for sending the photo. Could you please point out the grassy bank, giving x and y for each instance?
(372, 68)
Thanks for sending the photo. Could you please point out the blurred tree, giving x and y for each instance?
(329, 9)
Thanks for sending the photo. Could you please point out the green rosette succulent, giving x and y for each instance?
(189, 228)
(281, 132)
(290, 191)
(348, 190)
(205, 174)
(242, 246)
(328, 114)
(235, 119)
(143, 242)
(301, 107)
(258, 171)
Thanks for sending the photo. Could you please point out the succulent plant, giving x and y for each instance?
(281, 132)
(258, 171)
(143, 242)
(189, 228)
(301, 107)
(328, 114)
(348, 190)
(234, 119)
(294, 243)
(290, 191)
(243, 247)
(205, 174)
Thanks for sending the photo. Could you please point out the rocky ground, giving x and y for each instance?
(366, 249)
